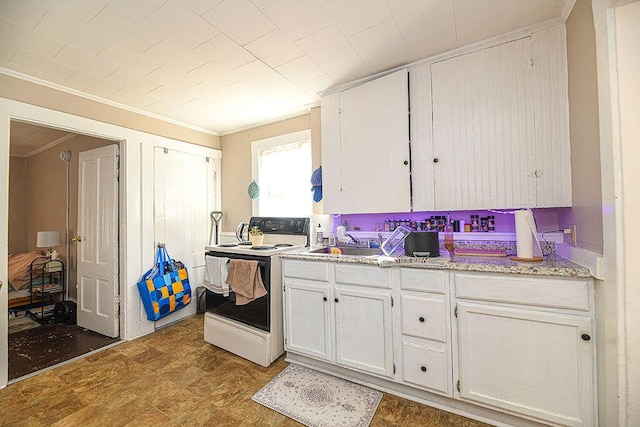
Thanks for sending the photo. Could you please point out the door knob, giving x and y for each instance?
(76, 239)
(421, 319)
(406, 162)
(436, 160)
(324, 298)
(423, 368)
(586, 337)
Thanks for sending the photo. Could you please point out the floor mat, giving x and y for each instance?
(318, 400)
(18, 324)
(50, 344)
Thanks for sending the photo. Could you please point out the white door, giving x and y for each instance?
(307, 319)
(97, 241)
(363, 331)
(527, 362)
(184, 195)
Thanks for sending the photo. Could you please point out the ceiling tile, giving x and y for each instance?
(240, 20)
(180, 56)
(28, 40)
(57, 26)
(171, 76)
(45, 65)
(6, 51)
(127, 57)
(257, 73)
(201, 6)
(84, 62)
(79, 10)
(298, 18)
(409, 14)
(318, 85)
(134, 98)
(431, 38)
(130, 79)
(167, 92)
(215, 75)
(138, 9)
(325, 45)
(22, 12)
(125, 28)
(380, 47)
(355, 16)
(261, 4)
(180, 23)
(274, 48)
(344, 68)
(90, 84)
(225, 50)
(300, 70)
(18, 68)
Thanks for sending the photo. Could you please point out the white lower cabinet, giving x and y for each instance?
(308, 319)
(525, 358)
(347, 325)
(514, 348)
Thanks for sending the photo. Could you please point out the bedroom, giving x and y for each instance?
(38, 201)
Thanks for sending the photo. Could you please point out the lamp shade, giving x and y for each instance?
(48, 239)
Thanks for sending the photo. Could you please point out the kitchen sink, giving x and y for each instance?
(348, 250)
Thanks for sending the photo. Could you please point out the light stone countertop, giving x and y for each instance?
(552, 265)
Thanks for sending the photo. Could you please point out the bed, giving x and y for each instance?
(19, 275)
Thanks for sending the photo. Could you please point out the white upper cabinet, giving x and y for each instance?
(489, 129)
(365, 147)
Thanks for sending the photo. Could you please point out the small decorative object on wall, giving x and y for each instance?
(253, 190)
(316, 182)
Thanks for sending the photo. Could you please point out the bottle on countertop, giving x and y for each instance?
(319, 235)
(448, 235)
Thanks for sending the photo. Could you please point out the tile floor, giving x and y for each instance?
(171, 378)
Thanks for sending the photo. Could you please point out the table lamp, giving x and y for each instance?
(48, 239)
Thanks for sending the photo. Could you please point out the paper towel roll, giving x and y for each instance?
(526, 234)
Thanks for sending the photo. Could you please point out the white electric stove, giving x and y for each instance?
(255, 331)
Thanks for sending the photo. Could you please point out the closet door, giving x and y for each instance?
(184, 196)
(483, 129)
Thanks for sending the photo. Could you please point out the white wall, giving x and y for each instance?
(136, 217)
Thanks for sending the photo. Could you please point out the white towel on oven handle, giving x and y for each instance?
(215, 274)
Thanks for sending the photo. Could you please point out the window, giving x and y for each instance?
(282, 168)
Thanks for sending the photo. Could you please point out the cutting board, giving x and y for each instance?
(480, 252)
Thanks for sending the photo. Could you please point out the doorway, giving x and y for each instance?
(44, 193)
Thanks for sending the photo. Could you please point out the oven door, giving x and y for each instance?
(256, 313)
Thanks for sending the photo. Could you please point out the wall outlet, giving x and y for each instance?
(573, 232)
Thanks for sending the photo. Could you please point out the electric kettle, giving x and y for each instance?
(241, 231)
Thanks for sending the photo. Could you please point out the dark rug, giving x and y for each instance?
(50, 344)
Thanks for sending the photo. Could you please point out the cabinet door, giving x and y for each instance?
(531, 363)
(331, 155)
(307, 319)
(483, 129)
(363, 331)
(374, 146)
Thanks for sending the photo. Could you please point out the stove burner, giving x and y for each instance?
(262, 248)
(282, 245)
(245, 244)
(227, 245)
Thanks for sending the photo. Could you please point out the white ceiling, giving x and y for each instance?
(225, 65)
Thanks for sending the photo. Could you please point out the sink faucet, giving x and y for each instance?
(352, 238)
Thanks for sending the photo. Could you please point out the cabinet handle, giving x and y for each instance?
(586, 337)
(421, 319)
(406, 162)
(423, 368)
(324, 298)
(436, 160)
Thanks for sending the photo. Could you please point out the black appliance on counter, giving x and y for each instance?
(422, 243)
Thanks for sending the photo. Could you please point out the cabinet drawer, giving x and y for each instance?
(425, 367)
(306, 270)
(548, 292)
(424, 317)
(424, 280)
(363, 275)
